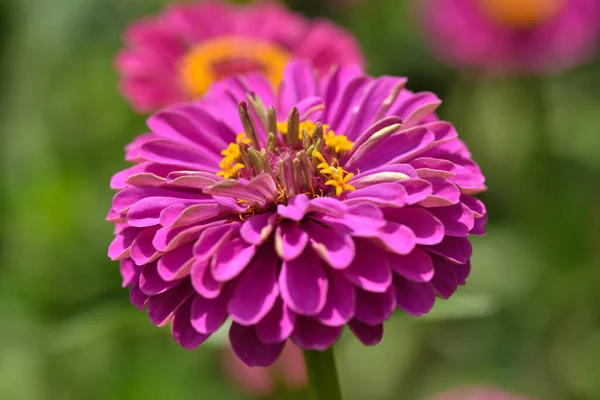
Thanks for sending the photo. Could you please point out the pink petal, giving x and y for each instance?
(182, 330)
(203, 281)
(416, 266)
(445, 193)
(458, 219)
(335, 248)
(162, 306)
(207, 315)
(176, 264)
(397, 238)
(256, 291)
(296, 208)
(374, 308)
(341, 301)
(232, 259)
(310, 334)
(212, 238)
(368, 335)
(258, 228)
(290, 240)
(414, 298)
(457, 249)
(369, 269)
(426, 228)
(248, 347)
(277, 325)
(303, 284)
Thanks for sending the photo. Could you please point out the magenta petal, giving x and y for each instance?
(362, 220)
(457, 249)
(374, 308)
(296, 208)
(369, 269)
(382, 194)
(458, 219)
(310, 334)
(203, 281)
(427, 229)
(416, 266)
(176, 264)
(256, 291)
(248, 347)
(462, 272)
(151, 283)
(137, 298)
(129, 271)
(277, 325)
(146, 212)
(142, 250)
(232, 259)
(445, 193)
(327, 206)
(162, 306)
(444, 280)
(121, 244)
(397, 238)
(212, 238)
(417, 190)
(175, 153)
(367, 334)
(335, 248)
(258, 228)
(290, 240)
(303, 284)
(207, 315)
(341, 301)
(182, 330)
(414, 298)
(479, 226)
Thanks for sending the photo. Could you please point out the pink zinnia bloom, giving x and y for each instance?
(357, 202)
(537, 36)
(175, 56)
(478, 393)
(289, 369)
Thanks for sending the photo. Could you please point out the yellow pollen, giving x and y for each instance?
(521, 13)
(336, 176)
(337, 143)
(230, 164)
(340, 144)
(220, 57)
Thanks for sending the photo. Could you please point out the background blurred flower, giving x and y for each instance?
(358, 203)
(175, 56)
(478, 393)
(513, 35)
(288, 370)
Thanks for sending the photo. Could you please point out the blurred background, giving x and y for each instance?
(528, 320)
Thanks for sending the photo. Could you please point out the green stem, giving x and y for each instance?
(322, 375)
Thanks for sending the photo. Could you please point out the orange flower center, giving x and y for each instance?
(224, 56)
(521, 13)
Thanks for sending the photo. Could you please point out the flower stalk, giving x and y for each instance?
(322, 375)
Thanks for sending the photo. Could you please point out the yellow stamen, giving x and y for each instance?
(337, 177)
(217, 58)
(230, 164)
(521, 13)
(339, 144)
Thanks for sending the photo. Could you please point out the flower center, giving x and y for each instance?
(302, 157)
(224, 56)
(521, 13)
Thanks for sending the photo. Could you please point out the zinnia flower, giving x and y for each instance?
(513, 35)
(289, 369)
(177, 55)
(327, 203)
(478, 393)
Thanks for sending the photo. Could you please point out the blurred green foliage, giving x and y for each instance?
(528, 320)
